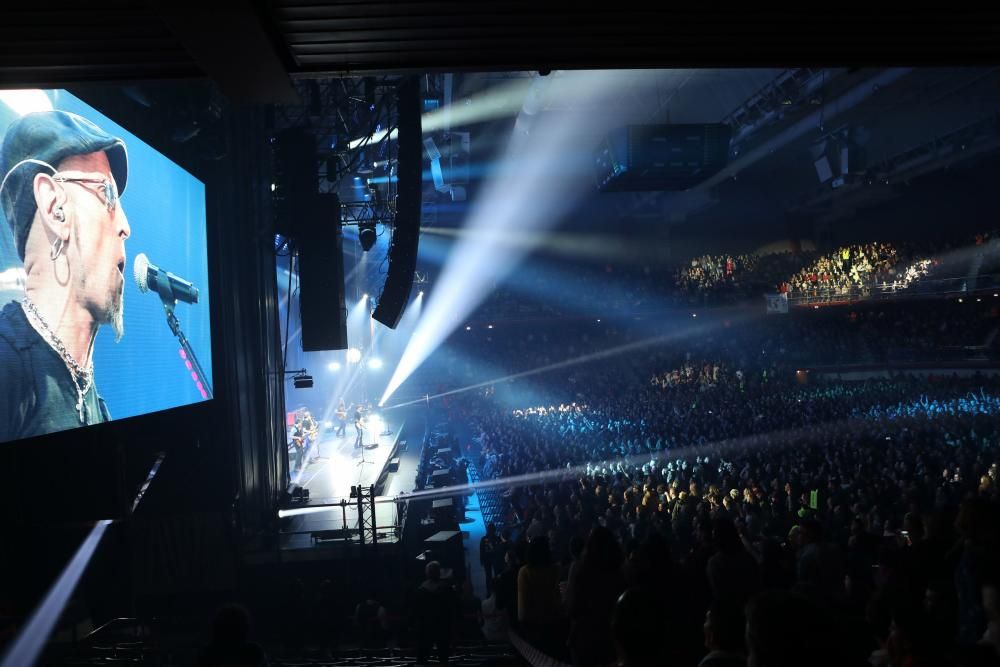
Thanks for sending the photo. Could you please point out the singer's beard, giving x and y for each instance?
(116, 312)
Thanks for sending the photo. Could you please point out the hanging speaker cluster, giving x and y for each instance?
(312, 220)
(406, 227)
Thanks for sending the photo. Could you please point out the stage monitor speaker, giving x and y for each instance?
(322, 307)
(406, 229)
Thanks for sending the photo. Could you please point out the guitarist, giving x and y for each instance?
(309, 430)
(359, 425)
(341, 418)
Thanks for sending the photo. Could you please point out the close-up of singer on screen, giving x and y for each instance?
(73, 251)
(63, 176)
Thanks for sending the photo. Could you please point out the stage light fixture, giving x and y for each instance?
(375, 363)
(353, 355)
(333, 366)
(303, 381)
(367, 235)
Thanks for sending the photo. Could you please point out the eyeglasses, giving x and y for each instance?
(107, 187)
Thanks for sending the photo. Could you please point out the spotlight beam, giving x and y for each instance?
(567, 363)
(28, 646)
(497, 102)
(529, 194)
(722, 447)
(31, 640)
(590, 246)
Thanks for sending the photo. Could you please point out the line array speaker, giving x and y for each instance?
(320, 246)
(406, 229)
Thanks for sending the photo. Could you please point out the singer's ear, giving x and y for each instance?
(51, 200)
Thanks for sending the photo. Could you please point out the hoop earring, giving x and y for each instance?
(57, 248)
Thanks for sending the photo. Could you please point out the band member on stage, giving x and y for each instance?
(309, 431)
(359, 425)
(341, 418)
(60, 181)
(298, 449)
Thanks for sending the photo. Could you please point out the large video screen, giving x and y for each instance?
(101, 239)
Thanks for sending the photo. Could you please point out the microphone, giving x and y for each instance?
(170, 287)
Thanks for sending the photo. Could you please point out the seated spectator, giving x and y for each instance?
(912, 641)
(494, 627)
(784, 630)
(639, 629)
(471, 614)
(231, 645)
(372, 622)
(724, 636)
(732, 573)
(505, 588)
(539, 608)
(592, 592)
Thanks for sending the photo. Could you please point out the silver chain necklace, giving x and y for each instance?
(82, 378)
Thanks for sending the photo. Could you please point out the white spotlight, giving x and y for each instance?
(353, 355)
(24, 102)
(468, 328)
(333, 366)
(489, 326)
(530, 194)
(374, 363)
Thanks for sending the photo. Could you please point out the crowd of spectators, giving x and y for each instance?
(747, 511)
(715, 279)
(737, 343)
(871, 505)
(716, 273)
(851, 272)
(849, 267)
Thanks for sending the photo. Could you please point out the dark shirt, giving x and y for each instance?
(37, 394)
(435, 609)
(487, 547)
(243, 654)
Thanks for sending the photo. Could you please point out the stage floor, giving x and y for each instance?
(338, 465)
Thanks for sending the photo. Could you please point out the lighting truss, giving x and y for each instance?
(367, 212)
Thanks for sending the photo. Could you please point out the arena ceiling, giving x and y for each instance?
(251, 48)
(255, 50)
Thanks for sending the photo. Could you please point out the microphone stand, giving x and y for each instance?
(169, 301)
(363, 447)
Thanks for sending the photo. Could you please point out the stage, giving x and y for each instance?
(336, 467)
